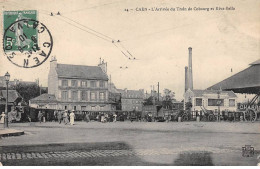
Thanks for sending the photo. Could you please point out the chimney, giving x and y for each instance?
(103, 65)
(190, 77)
(53, 62)
(186, 78)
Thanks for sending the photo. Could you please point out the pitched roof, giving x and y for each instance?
(200, 93)
(13, 95)
(246, 81)
(131, 93)
(45, 98)
(80, 71)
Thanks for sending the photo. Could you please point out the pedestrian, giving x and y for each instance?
(106, 117)
(59, 116)
(72, 117)
(87, 118)
(43, 116)
(115, 117)
(40, 116)
(2, 120)
(55, 113)
(65, 117)
(102, 118)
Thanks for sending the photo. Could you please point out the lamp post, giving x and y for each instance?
(7, 77)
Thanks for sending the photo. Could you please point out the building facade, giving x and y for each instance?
(78, 87)
(211, 100)
(132, 99)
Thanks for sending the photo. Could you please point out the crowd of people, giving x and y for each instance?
(67, 117)
(62, 116)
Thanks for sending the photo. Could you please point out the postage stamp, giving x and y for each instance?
(27, 42)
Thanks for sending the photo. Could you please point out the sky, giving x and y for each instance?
(159, 40)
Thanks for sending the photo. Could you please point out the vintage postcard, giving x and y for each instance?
(130, 83)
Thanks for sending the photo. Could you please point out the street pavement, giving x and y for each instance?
(136, 143)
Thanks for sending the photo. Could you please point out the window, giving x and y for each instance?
(93, 107)
(74, 95)
(198, 102)
(74, 83)
(64, 95)
(84, 95)
(83, 108)
(93, 84)
(102, 107)
(83, 84)
(102, 84)
(215, 102)
(102, 96)
(232, 103)
(64, 82)
(75, 108)
(93, 96)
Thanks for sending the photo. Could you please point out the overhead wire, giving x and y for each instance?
(88, 28)
(105, 37)
(112, 39)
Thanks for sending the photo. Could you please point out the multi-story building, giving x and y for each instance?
(132, 99)
(78, 87)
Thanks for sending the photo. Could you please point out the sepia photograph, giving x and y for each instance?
(130, 83)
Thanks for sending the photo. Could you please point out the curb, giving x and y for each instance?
(11, 133)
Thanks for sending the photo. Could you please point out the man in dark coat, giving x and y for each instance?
(59, 116)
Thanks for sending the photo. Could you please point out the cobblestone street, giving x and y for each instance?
(104, 153)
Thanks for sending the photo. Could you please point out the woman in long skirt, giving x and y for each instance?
(72, 117)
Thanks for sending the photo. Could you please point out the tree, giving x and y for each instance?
(27, 91)
(188, 105)
(148, 101)
(168, 98)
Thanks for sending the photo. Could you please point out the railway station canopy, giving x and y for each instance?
(246, 81)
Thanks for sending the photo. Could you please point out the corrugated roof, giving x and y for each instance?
(80, 71)
(200, 93)
(255, 62)
(246, 81)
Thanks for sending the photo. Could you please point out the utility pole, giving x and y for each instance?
(153, 96)
(38, 84)
(151, 90)
(158, 91)
(110, 82)
(40, 90)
